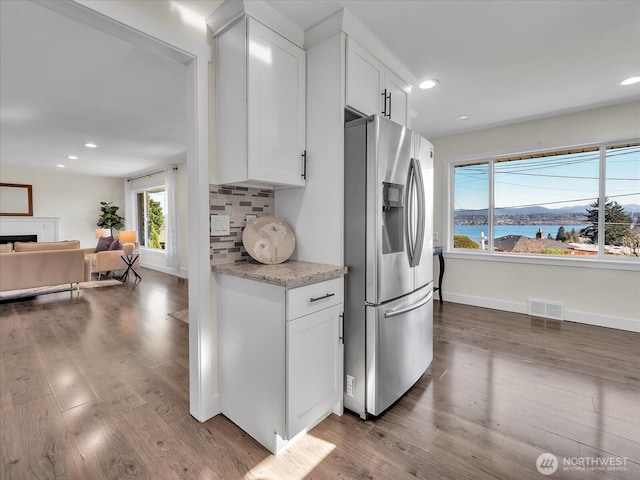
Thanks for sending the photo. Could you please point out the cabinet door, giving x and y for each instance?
(399, 103)
(276, 107)
(314, 367)
(365, 80)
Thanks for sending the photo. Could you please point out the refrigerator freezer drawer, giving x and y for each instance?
(399, 347)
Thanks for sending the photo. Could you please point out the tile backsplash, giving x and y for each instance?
(236, 202)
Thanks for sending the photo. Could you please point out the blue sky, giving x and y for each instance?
(552, 182)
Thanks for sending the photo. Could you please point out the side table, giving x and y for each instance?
(130, 260)
(437, 251)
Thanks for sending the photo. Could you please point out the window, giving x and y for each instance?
(575, 202)
(622, 201)
(471, 205)
(151, 217)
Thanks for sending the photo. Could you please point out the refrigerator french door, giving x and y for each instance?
(399, 336)
(388, 325)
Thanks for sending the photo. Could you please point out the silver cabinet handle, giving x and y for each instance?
(418, 304)
(321, 298)
(304, 164)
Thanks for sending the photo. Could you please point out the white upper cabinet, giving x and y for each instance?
(371, 88)
(365, 80)
(260, 107)
(398, 98)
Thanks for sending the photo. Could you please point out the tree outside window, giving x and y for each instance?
(151, 213)
(155, 222)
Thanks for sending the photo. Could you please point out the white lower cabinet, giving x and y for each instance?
(314, 363)
(281, 357)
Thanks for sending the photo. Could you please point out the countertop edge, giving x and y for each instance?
(309, 273)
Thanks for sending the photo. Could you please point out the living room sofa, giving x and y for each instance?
(42, 264)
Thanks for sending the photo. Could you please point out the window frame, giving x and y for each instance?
(144, 190)
(599, 261)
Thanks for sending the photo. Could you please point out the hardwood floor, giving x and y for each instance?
(96, 387)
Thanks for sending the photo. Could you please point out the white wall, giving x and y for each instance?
(601, 296)
(74, 198)
(316, 212)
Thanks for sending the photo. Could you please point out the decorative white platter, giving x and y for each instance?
(269, 240)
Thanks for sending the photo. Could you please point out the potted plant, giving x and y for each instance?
(110, 218)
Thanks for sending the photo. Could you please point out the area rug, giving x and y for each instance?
(182, 315)
(32, 292)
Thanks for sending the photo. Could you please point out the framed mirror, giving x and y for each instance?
(16, 200)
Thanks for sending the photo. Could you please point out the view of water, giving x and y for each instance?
(474, 232)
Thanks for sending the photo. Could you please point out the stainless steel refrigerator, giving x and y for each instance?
(388, 223)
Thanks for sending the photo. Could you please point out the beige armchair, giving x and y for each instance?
(109, 261)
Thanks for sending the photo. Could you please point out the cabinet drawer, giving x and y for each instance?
(312, 298)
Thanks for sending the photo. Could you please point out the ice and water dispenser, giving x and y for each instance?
(392, 217)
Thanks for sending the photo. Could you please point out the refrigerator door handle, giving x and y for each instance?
(419, 242)
(418, 304)
(410, 227)
(415, 213)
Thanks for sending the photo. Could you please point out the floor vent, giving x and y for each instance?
(538, 308)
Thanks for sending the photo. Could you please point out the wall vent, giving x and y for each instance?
(539, 308)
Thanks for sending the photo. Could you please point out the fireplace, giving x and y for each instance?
(18, 238)
(44, 229)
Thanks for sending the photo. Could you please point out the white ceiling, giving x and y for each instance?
(500, 61)
(63, 83)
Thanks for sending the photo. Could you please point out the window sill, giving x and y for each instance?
(157, 251)
(607, 264)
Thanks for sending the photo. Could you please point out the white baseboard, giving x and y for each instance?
(486, 302)
(178, 272)
(619, 323)
(183, 272)
(211, 409)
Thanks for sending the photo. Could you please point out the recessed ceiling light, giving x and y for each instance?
(463, 117)
(59, 165)
(90, 145)
(630, 81)
(72, 157)
(428, 84)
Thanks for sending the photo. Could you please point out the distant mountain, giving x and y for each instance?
(537, 210)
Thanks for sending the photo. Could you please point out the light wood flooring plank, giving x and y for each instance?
(25, 379)
(33, 444)
(105, 449)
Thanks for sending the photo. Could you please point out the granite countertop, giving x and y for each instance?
(288, 274)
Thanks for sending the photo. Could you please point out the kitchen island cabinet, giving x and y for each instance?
(281, 356)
